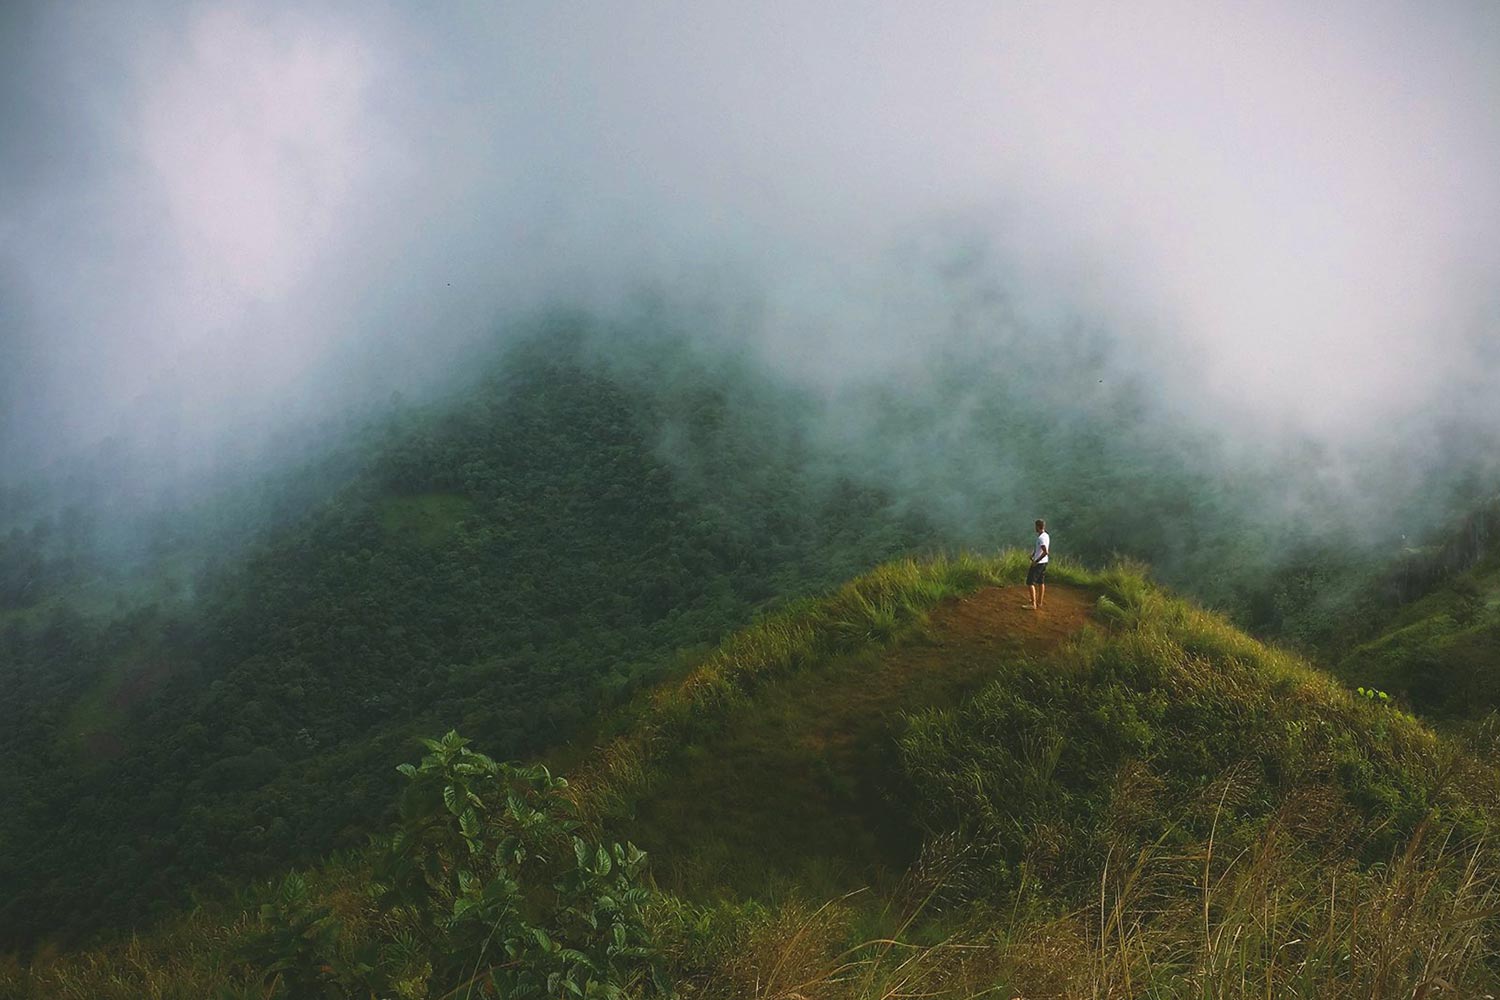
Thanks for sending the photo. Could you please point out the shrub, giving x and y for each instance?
(484, 889)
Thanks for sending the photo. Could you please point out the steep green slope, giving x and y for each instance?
(1441, 654)
(1122, 796)
(1421, 625)
(803, 789)
(506, 561)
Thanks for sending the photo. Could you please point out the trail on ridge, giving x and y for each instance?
(803, 785)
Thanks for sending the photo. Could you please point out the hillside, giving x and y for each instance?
(1421, 625)
(1136, 801)
(506, 560)
(798, 790)
(1119, 795)
(1120, 690)
(580, 514)
(1441, 653)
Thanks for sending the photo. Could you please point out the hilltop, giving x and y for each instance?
(799, 787)
(1122, 794)
(1130, 763)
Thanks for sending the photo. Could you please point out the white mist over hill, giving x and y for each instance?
(223, 217)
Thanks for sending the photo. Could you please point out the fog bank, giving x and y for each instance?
(221, 220)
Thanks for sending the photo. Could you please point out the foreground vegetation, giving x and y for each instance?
(1160, 807)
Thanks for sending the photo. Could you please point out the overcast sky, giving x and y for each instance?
(214, 213)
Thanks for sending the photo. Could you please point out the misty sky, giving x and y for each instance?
(217, 215)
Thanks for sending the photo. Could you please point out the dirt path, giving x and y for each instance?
(805, 783)
(957, 656)
(1003, 614)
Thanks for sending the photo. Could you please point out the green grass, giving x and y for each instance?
(874, 610)
(1165, 809)
(1139, 731)
(790, 781)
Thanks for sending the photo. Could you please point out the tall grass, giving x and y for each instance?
(1168, 924)
(1169, 809)
(190, 957)
(887, 604)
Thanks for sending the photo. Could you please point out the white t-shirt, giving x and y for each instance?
(1043, 540)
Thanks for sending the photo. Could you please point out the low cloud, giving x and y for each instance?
(218, 217)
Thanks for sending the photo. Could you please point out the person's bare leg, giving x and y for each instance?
(1042, 601)
(1033, 596)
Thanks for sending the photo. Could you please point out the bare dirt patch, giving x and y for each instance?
(1003, 614)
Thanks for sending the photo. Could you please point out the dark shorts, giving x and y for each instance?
(1036, 574)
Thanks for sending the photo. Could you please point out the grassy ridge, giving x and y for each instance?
(789, 779)
(879, 608)
(1166, 809)
(1133, 724)
(1163, 807)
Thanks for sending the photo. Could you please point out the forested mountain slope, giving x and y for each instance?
(503, 563)
(1421, 624)
(1441, 653)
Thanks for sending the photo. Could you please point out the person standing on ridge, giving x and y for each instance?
(1036, 577)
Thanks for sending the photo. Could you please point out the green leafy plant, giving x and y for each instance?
(1374, 694)
(296, 944)
(486, 888)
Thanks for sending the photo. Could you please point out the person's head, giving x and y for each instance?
(1041, 526)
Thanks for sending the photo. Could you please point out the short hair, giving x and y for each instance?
(1041, 525)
